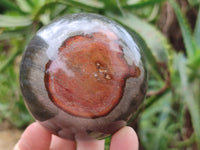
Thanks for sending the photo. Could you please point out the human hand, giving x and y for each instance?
(35, 137)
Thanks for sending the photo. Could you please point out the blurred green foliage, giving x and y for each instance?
(174, 77)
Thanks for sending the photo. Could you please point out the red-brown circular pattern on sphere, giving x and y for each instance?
(87, 78)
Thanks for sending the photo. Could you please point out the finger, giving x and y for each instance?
(62, 144)
(90, 145)
(125, 138)
(35, 137)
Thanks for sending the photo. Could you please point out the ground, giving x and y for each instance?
(8, 137)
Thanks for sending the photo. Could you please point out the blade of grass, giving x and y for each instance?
(107, 143)
(194, 62)
(142, 4)
(194, 2)
(113, 6)
(73, 3)
(186, 143)
(89, 3)
(8, 35)
(188, 97)
(154, 123)
(147, 104)
(37, 3)
(17, 46)
(185, 29)
(14, 21)
(24, 5)
(30, 2)
(197, 30)
(9, 60)
(160, 140)
(11, 6)
(16, 33)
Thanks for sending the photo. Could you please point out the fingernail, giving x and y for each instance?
(16, 147)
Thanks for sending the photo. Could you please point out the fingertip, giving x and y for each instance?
(34, 137)
(58, 143)
(125, 138)
(16, 147)
(90, 145)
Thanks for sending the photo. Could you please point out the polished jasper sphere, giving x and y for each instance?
(82, 76)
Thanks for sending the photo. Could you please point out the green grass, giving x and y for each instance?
(174, 77)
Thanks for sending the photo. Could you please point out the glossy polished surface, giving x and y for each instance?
(82, 76)
(87, 77)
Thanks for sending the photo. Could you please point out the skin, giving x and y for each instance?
(37, 137)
